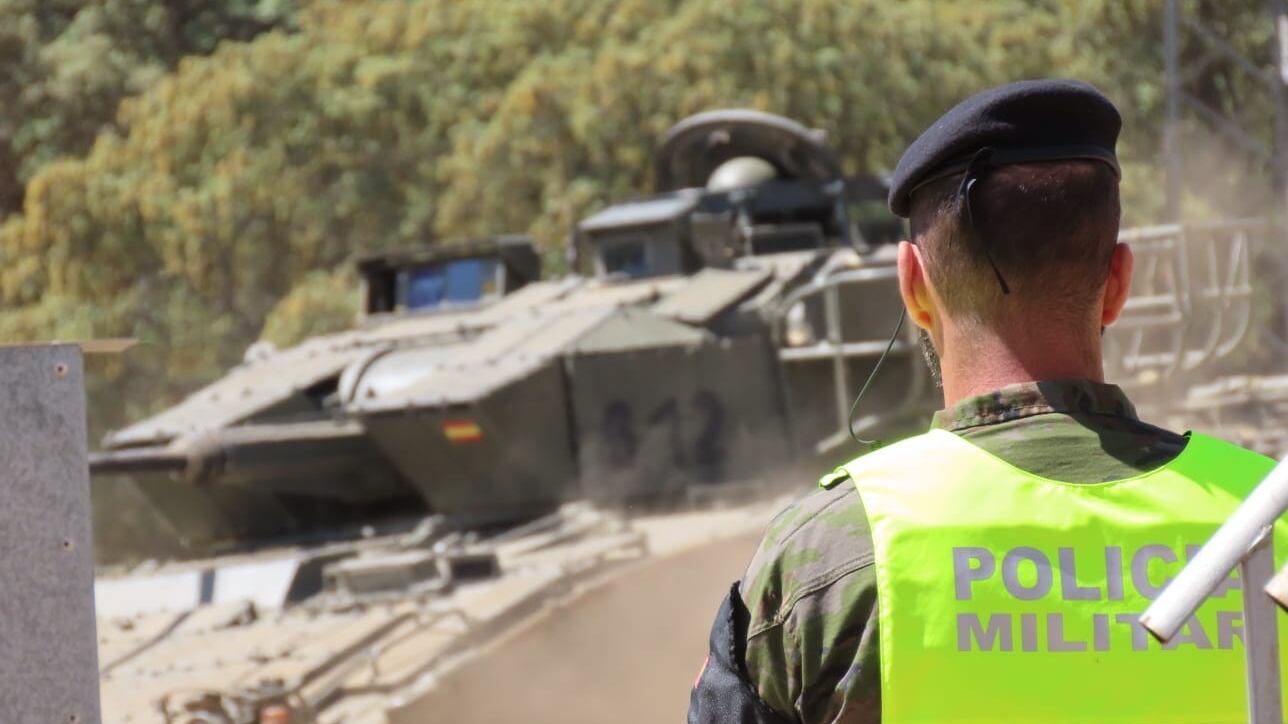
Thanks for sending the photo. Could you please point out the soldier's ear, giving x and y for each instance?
(914, 286)
(1117, 286)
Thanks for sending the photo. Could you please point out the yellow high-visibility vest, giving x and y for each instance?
(1008, 597)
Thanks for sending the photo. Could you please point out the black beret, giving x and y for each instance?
(1023, 122)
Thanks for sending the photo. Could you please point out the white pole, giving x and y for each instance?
(1245, 540)
(1228, 546)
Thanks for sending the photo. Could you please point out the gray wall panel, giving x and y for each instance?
(48, 651)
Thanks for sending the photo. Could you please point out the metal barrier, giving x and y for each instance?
(1191, 301)
(1245, 541)
(1191, 305)
(833, 346)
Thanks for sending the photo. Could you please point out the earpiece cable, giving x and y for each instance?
(849, 423)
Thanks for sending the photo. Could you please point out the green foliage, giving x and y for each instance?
(69, 63)
(189, 170)
(321, 303)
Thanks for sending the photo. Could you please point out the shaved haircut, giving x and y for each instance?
(1050, 228)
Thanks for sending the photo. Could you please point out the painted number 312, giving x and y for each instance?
(693, 437)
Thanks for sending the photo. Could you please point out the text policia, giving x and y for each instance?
(1025, 577)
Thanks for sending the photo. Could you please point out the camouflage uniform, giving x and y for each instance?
(811, 642)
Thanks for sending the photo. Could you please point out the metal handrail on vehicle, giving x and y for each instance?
(1192, 290)
(839, 350)
(1191, 305)
(1245, 541)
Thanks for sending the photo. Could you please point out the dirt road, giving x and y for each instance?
(625, 652)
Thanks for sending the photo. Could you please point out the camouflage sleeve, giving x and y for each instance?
(811, 593)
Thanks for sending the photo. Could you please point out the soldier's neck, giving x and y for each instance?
(977, 362)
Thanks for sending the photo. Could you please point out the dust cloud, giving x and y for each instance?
(1203, 347)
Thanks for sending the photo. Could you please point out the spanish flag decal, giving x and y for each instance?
(462, 432)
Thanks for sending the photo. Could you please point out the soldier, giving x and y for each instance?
(993, 569)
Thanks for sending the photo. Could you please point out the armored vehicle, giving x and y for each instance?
(715, 331)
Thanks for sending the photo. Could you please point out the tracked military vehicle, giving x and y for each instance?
(715, 332)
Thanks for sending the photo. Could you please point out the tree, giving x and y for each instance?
(69, 63)
(220, 166)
